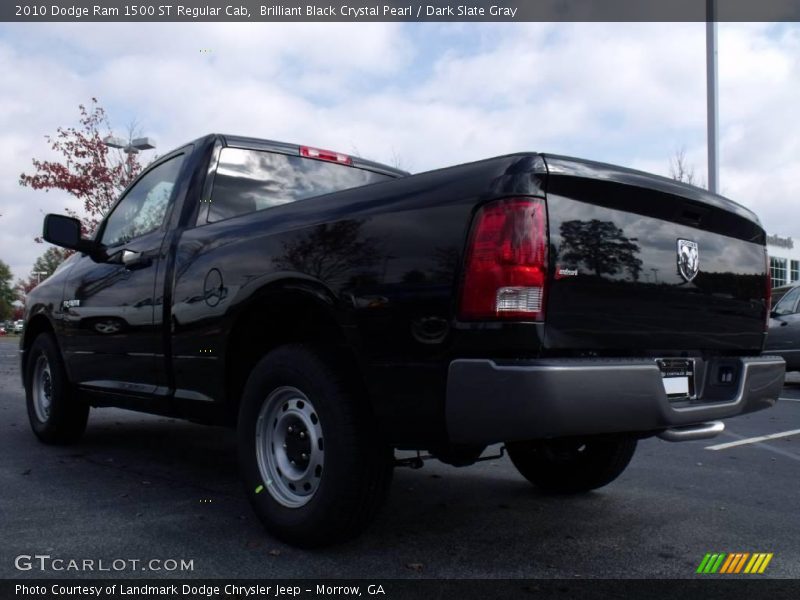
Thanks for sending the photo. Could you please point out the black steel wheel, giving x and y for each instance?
(313, 466)
(56, 414)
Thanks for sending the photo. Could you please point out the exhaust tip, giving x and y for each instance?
(702, 431)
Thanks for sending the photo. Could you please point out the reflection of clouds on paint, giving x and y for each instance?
(249, 180)
(657, 244)
(729, 255)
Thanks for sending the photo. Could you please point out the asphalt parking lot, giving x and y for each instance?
(141, 487)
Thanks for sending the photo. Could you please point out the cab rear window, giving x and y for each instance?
(251, 180)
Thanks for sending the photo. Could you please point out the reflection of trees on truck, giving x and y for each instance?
(600, 246)
(330, 251)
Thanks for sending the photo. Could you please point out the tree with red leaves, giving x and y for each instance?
(90, 170)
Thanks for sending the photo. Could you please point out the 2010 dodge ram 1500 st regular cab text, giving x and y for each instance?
(334, 310)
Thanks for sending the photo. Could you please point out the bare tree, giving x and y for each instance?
(680, 169)
(397, 161)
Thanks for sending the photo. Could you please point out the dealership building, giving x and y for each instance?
(784, 260)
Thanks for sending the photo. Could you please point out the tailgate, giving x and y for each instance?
(642, 264)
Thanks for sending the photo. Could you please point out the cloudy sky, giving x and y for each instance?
(421, 95)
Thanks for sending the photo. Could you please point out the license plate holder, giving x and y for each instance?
(677, 375)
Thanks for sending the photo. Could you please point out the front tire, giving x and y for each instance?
(571, 466)
(313, 466)
(55, 413)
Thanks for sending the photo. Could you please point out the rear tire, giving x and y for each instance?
(570, 466)
(313, 466)
(55, 413)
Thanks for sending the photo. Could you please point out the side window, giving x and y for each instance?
(787, 304)
(143, 208)
(251, 180)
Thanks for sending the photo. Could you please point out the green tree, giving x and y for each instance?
(7, 292)
(48, 262)
(44, 266)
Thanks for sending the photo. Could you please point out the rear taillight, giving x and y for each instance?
(328, 155)
(505, 269)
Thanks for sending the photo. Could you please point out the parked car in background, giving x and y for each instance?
(19, 325)
(2, 330)
(783, 338)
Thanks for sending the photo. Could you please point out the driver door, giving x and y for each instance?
(111, 310)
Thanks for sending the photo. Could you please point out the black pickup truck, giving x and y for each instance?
(335, 309)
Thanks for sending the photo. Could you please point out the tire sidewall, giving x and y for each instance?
(44, 345)
(298, 368)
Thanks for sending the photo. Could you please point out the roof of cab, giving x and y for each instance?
(236, 141)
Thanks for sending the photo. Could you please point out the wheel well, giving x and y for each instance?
(289, 319)
(38, 324)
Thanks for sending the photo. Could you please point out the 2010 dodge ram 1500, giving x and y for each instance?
(335, 309)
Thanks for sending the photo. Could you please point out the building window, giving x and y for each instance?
(795, 272)
(777, 271)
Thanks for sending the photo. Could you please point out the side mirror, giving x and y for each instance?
(65, 232)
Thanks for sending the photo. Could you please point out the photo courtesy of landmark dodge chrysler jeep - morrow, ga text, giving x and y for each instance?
(334, 310)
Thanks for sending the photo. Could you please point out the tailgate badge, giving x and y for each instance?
(562, 272)
(688, 259)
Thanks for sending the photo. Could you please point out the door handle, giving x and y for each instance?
(135, 260)
(784, 323)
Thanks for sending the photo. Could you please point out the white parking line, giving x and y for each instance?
(790, 399)
(754, 440)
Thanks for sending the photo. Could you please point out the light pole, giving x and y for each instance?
(712, 118)
(129, 147)
(39, 276)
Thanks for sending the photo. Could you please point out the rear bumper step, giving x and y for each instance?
(500, 401)
(689, 433)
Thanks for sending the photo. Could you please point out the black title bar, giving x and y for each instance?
(395, 589)
(399, 10)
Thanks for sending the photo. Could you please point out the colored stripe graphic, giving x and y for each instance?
(735, 562)
(754, 563)
(711, 568)
(765, 563)
(727, 564)
(703, 564)
(758, 563)
(711, 562)
(740, 565)
(718, 563)
(730, 566)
